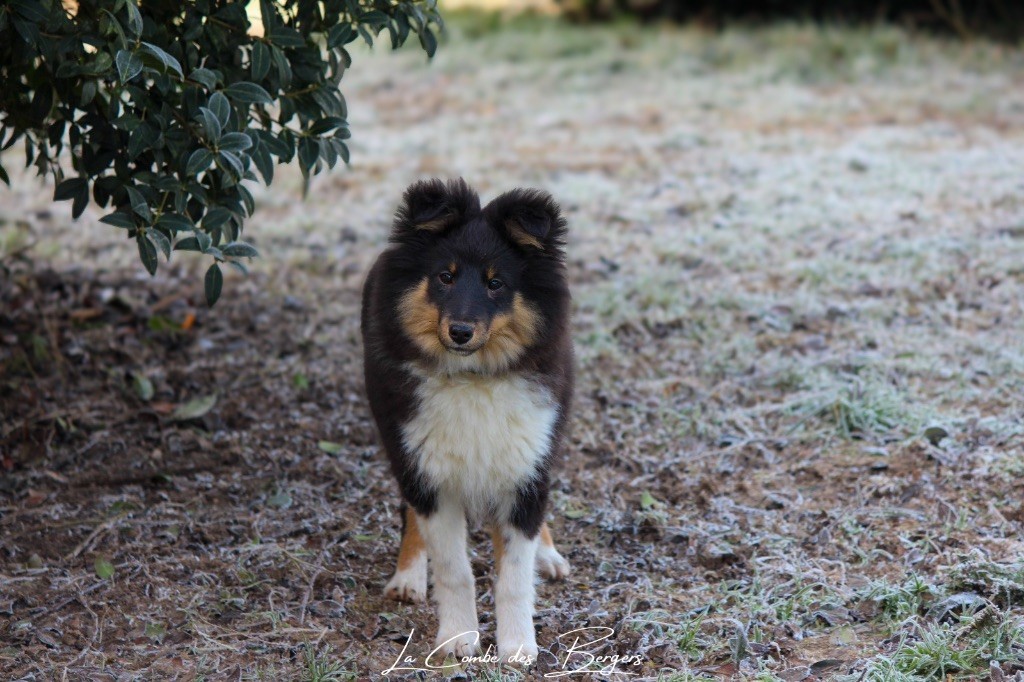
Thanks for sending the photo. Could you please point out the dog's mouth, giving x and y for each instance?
(463, 351)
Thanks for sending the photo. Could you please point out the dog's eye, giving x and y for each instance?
(446, 277)
(495, 284)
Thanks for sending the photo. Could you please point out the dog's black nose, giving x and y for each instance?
(461, 333)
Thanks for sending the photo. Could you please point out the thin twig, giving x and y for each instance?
(103, 527)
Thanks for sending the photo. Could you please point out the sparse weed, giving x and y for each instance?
(858, 405)
(497, 674)
(320, 668)
(881, 669)
(687, 633)
(899, 603)
(936, 654)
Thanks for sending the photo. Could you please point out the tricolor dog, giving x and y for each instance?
(469, 372)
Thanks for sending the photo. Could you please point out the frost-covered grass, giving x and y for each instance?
(792, 251)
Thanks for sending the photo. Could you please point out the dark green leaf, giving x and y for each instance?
(283, 36)
(428, 41)
(260, 61)
(134, 19)
(220, 106)
(240, 250)
(141, 139)
(147, 252)
(247, 200)
(211, 124)
(231, 162)
(187, 244)
(248, 93)
(138, 202)
(161, 241)
(340, 34)
(175, 222)
(199, 161)
(282, 66)
(166, 60)
(30, 10)
(205, 77)
(309, 151)
(69, 188)
(275, 145)
(80, 200)
(128, 65)
(326, 125)
(268, 13)
(234, 142)
(373, 18)
(265, 164)
(204, 241)
(119, 219)
(216, 217)
(214, 282)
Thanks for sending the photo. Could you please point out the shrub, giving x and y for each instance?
(167, 106)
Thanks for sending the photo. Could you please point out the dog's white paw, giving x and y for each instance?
(524, 654)
(409, 585)
(551, 564)
(459, 644)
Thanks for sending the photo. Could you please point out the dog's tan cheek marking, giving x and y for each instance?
(412, 542)
(521, 236)
(525, 320)
(420, 317)
(510, 334)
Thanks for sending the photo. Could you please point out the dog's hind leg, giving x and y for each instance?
(409, 583)
(550, 563)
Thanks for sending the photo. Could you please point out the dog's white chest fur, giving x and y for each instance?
(479, 438)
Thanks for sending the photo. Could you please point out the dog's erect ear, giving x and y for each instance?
(531, 219)
(434, 206)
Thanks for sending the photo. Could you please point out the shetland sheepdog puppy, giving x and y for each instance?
(469, 373)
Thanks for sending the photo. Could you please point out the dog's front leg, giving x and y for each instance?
(444, 533)
(514, 596)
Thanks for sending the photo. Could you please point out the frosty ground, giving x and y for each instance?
(797, 258)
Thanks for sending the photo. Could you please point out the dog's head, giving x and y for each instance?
(478, 277)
